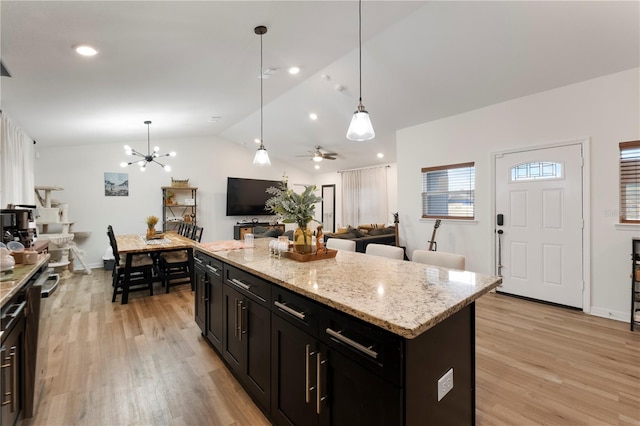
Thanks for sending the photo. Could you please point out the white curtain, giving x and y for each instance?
(17, 174)
(364, 196)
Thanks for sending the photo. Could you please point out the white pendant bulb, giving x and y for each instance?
(262, 157)
(360, 128)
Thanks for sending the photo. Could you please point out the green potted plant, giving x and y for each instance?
(292, 207)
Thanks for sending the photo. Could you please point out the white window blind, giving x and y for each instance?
(449, 191)
(630, 182)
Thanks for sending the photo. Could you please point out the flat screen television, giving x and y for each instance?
(247, 197)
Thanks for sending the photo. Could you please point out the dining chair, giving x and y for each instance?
(197, 233)
(439, 258)
(141, 272)
(181, 228)
(340, 244)
(188, 230)
(175, 266)
(385, 250)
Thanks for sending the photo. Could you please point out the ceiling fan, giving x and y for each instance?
(318, 155)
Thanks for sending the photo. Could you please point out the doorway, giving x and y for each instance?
(539, 217)
(328, 208)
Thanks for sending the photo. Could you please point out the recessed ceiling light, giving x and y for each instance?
(213, 119)
(85, 50)
(294, 70)
(380, 155)
(313, 116)
(256, 140)
(317, 166)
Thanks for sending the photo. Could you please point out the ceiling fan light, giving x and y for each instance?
(262, 157)
(167, 168)
(123, 164)
(317, 158)
(172, 154)
(360, 128)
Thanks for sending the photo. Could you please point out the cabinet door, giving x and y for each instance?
(293, 375)
(233, 343)
(201, 296)
(11, 375)
(215, 311)
(255, 328)
(353, 395)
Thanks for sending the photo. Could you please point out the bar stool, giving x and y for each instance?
(439, 258)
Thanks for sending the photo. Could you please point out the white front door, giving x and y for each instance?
(539, 194)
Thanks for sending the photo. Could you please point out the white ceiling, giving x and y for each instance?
(177, 63)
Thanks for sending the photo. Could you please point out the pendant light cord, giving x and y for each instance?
(360, 45)
(148, 140)
(261, 100)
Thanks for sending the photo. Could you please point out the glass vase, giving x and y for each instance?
(302, 240)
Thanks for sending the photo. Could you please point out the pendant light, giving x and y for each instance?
(150, 157)
(360, 128)
(261, 158)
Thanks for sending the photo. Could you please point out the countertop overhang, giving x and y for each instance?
(12, 282)
(405, 298)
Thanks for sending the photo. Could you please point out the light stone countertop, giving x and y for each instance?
(12, 282)
(405, 298)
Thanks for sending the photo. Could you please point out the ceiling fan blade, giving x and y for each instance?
(4, 72)
(330, 154)
(329, 158)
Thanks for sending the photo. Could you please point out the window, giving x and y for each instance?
(630, 182)
(536, 171)
(449, 191)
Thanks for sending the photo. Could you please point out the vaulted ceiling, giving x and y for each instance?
(179, 63)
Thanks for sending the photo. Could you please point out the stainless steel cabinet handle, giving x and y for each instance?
(240, 284)
(212, 269)
(235, 327)
(243, 310)
(10, 394)
(367, 351)
(287, 309)
(319, 398)
(307, 364)
(198, 260)
(4, 363)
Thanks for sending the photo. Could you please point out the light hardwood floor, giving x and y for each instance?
(146, 363)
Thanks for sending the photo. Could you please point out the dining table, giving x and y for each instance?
(131, 244)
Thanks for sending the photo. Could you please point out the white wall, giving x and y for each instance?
(606, 110)
(205, 162)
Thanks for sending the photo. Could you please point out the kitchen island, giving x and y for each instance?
(356, 339)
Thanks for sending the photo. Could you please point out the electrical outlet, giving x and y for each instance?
(445, 384)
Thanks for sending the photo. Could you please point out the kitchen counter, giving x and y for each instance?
(11, 283)
(402, 297)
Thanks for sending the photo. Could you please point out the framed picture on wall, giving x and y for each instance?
(116, 184)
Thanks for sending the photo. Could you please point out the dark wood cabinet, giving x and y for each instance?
(12, 369)
(246, 344)
(305, 363)
(314, 383)
(200, 296)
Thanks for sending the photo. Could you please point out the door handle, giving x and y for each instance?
(307, 365)
(243, 311)
(319, 398)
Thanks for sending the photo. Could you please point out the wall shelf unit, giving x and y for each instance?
(179, 204)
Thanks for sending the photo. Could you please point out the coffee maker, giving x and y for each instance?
(19, 224)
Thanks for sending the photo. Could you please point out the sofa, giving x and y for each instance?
(364, 235)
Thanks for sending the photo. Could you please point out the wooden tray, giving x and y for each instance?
(157, 236)
(311, 256)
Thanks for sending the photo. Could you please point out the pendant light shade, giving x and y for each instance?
(150, 157)
(262, 157)
(360, 128)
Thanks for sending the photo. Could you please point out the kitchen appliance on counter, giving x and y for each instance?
(19, 224)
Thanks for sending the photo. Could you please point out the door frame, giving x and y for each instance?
(586, 209)
(333, 203)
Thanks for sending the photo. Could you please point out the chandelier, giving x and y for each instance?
(150, 157)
